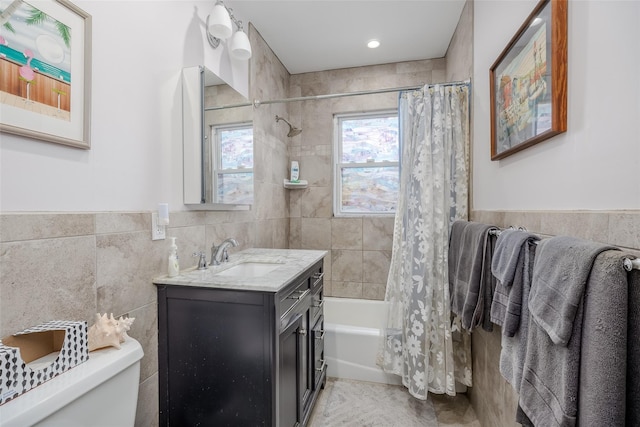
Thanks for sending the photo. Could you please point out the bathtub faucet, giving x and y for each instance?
(219, 253)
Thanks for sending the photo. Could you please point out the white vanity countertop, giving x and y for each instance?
(291, 263)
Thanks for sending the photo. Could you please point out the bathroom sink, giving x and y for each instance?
(249, 269)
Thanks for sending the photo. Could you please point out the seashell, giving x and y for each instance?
(108, 332)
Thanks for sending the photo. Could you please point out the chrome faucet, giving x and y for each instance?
(219, 253)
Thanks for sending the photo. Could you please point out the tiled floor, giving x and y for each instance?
(348, 403)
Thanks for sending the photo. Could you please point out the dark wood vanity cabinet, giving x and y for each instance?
(231, 357)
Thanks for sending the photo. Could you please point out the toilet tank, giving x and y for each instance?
(102, 391)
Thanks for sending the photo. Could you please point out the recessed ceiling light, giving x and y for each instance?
(372, 44)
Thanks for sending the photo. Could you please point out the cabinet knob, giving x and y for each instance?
(302, 332)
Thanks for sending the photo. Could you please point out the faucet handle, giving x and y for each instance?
(202, 261)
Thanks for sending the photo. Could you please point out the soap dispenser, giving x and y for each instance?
(174, 266)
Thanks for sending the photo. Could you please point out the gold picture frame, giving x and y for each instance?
(44, 44)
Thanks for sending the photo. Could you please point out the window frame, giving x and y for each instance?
(338, 165)
(216, 152)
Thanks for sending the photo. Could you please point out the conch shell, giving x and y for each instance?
(108, 332)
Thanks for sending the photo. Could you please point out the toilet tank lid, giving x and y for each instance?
(44, 400)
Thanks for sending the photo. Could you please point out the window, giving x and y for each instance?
(367, 163)
(233, 163)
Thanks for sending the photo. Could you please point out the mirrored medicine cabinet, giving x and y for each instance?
(217, 143)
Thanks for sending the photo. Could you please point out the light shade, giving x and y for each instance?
(220, 22)
(240, 46)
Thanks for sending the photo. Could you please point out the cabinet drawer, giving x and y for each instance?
(319, 364)
(317, 299)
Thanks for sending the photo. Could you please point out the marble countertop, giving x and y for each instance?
(291, 263)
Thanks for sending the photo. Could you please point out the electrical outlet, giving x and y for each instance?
(158, 231)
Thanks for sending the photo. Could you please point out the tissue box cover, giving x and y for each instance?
(66, 338)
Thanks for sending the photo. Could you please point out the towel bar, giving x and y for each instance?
(631, 264)
(628, 263)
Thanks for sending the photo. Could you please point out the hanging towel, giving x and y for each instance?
(510, 266)
(469, 271)
(603, 360)
(514, 348)
(550, 378)
(633, 351)
(560, 273)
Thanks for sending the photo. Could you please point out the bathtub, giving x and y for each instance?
(352, 335)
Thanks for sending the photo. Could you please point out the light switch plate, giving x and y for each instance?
(158, 231)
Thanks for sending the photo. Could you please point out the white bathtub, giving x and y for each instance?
(352, 335)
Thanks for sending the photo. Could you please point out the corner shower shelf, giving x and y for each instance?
(295, 185)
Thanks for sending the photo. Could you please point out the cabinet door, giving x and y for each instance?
(306, 364)
(214, 358)
(319, 365)
(291, 344)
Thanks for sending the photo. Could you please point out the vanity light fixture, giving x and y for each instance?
(220, 26)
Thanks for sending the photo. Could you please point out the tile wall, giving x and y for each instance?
(360, 246)
(493, 399)
(71, 266)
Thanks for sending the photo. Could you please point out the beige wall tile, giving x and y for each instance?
(459, 58)
(243, 232)
(346, 289)
(30, 226)
(346, 266)
(49, 279)
(624, 229)
(121, 222)
(327, 268)
(145, 330)
(188, 240)
(295, 232)
(316, 168)
(346, 233)
(374, 291)
(586, 225)
(529, 220)
(126, 266)
(148, 409)
(377, 233)
(186, 218)
(317, 202)
(375, 266)
(296, 199)
(316, 233)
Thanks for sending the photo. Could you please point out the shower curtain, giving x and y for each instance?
(421, 342)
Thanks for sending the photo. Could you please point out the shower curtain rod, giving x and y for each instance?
(257, 103)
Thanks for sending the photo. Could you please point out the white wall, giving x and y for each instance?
(135, 161)
(593, 166)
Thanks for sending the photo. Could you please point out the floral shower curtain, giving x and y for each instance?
(421, 342)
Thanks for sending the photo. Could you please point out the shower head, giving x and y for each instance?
(293, 131)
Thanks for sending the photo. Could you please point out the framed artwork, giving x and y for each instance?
(45, 71)
(528, 85)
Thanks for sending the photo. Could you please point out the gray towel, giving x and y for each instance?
(633, 351)
(510, 266)
(603, 362)
(560, 273)
(514, 349)
(469, 271)
(550, 379)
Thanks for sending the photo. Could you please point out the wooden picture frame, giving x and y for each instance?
(43, 45)
(528, 82)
